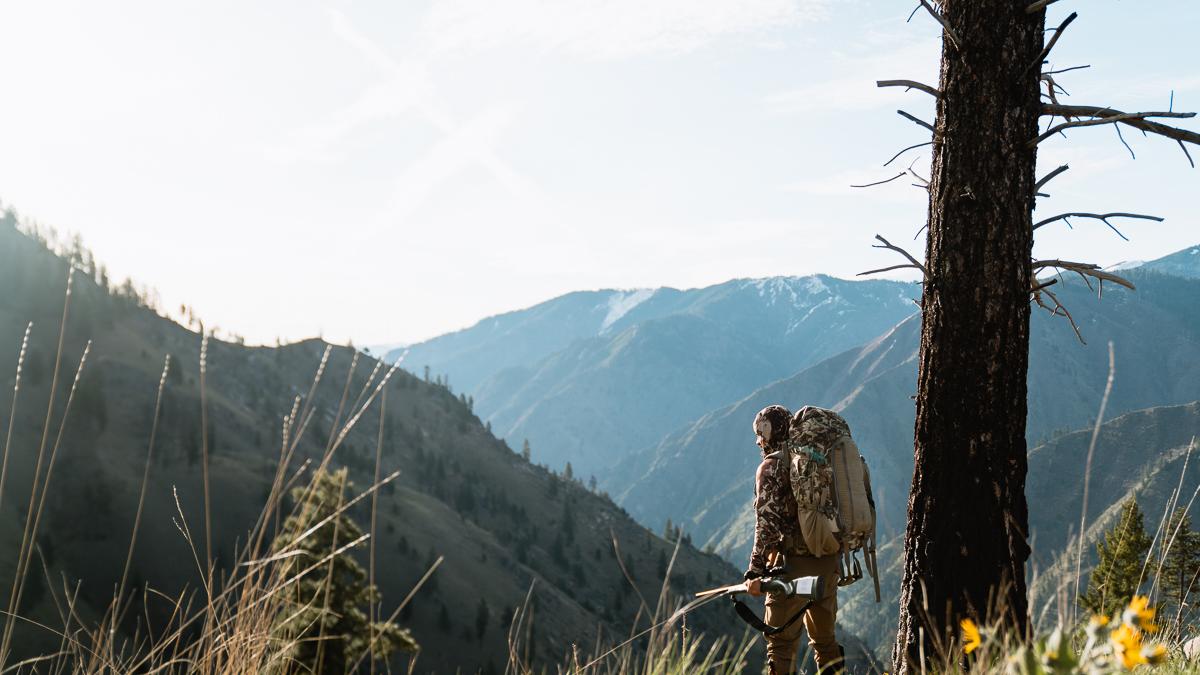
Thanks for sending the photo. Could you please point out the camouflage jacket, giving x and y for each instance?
(776, 523)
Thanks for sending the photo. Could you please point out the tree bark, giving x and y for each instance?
(966, 541)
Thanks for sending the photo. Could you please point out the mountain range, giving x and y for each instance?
(698, 473)
(590, 377)
(650, 391)
(1156, 338)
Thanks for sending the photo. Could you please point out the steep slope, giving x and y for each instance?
(1155, 331)
(501, 523)
(1141, 454)
(700, 475)
(603, 397)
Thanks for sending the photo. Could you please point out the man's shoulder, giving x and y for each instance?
(767, 463)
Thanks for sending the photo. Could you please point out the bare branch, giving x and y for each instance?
(916, 120)
(1053, 88)
(884, 243)
(1050, 45)
(1121, 138)
(888, 269)
(1186, 153)
(1098, 216)
(1040, 4)
(1058, 310)
(1048, 177)
(911, 147)
(910, 84)
(1083, 270)
(880, 182)
(1065, 70)
(1109, 116)
(1039, 285)
(937, 16)
(924, 180)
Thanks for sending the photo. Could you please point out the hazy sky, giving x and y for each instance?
(390, 171)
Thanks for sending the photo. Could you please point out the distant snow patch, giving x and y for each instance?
(620, 304)
(1127, 265)
(814, 285)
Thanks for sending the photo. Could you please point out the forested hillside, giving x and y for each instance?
(503, 524)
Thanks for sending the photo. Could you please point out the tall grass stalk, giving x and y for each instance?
(137, 518)
(12, 412)
(337, 417)
(19, 577)
(373, 609)
(208, 559)
(1087, 468)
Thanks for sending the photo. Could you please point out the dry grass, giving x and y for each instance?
(225, 624)
(664, 647)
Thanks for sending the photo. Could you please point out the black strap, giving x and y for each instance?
(748, 615)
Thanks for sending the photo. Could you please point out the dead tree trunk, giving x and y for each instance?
(965, 544)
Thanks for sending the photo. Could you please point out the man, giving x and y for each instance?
(779, 542)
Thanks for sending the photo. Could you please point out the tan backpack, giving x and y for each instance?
(835, 506)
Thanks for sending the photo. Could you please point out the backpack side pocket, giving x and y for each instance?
(819, 532)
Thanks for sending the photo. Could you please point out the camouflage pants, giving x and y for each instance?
(818, 620)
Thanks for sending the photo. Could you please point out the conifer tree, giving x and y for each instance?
(1121, 555)
(324, 621)
(525, 451)
(1181, 565)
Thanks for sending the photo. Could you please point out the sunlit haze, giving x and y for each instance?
(386, 172)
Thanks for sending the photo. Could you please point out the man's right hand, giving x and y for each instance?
(754, 587)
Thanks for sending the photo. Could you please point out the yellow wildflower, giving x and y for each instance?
(1154, 654)
(1127, 645)
(970, 635)
(1096, 626)
(1140, 614)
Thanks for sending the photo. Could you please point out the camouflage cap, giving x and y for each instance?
(772, 424)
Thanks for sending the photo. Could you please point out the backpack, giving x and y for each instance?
(832, 486)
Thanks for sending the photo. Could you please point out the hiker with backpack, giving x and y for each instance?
(813, 510)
